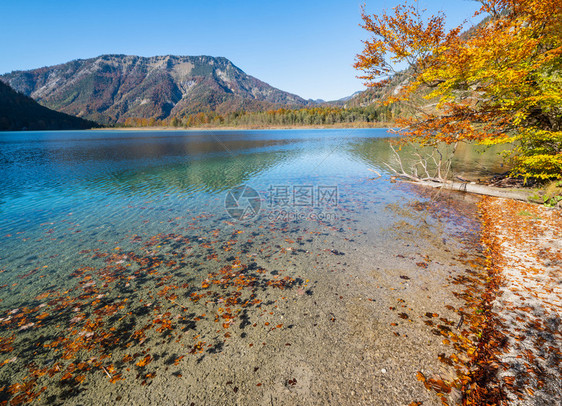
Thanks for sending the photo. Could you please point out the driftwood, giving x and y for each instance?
(438, 177)
(515, 194)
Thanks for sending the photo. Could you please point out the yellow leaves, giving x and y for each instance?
(400, 36)
(540, 166)
(7, 361)
(501, 139)
(145, 361)
(42, 296)
(115, 378)
(500, 78)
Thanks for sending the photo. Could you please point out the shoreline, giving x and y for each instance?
(517, 358)
(340, 126)
(523, 248)
(507, 345)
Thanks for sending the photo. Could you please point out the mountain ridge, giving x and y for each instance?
(19, 112)
(111, 88)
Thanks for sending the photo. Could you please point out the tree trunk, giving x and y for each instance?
(516, 194)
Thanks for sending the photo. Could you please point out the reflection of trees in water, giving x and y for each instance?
(151, 165)
(373, 151)
(478, 160)
(469, 160)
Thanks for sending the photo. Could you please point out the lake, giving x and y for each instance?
(224, 267)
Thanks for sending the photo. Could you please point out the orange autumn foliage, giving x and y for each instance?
(496, 83)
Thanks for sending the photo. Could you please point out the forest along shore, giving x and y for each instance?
(524, 250)
(211, 127)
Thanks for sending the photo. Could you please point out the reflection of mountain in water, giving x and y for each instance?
(213, 174)
(62, 167)
(469, 160)
(55, 169)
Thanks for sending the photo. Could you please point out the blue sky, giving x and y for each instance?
(305, 47)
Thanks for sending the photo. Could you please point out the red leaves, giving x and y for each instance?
(6, 344)
(164, 324)
(480, 344)
(401, 36)
(516, 252)
(42, 296)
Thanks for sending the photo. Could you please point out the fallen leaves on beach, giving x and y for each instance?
(525, 251)
(507, 346)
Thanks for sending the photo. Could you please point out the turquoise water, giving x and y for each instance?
(123, 264)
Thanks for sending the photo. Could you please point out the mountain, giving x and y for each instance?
(19, 112)
(348, 98)
(111, 88)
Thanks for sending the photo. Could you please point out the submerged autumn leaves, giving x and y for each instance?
(114, 320)
(116, 314)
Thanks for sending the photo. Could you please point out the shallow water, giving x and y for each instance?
(128, 275)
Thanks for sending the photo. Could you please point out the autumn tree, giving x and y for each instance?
(498, 82)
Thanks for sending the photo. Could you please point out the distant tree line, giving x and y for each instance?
(326, 115)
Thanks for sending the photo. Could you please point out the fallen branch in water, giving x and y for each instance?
(107, 373)
(437, 175)
(522, 195)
